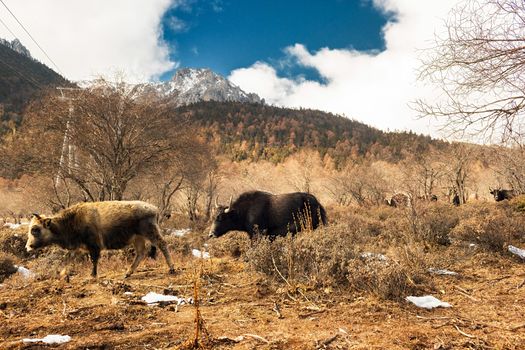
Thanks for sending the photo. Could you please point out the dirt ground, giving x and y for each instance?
(487, 297)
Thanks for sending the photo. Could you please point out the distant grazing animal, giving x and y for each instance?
(501, 194)
(268, 214)
(101, 225)
(398, 200)
(430, 198)
(455, 200)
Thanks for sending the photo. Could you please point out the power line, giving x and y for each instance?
(28, 79)
(24, 28)
(6, 27)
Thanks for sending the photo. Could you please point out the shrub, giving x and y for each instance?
(492, 230)
(518, 203)
(333, 256)
(14, 242)
(233, 244)
(7, 266)
(318, 257)
(437, 222)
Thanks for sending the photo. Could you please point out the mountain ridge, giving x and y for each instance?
(22, 78)
(193, 85)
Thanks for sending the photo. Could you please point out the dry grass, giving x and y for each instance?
(295, 293)
(491, 226)
(7, 268)
(14, 241)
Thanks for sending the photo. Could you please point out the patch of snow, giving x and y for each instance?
(153, 298)
(472, 245)
(128, 293)
(179, 233)
(369, 255)
(428, 302)
(25, 272)
(49, 339)
(14, 226)
(442, 272)
(517, 251)
(200, 254)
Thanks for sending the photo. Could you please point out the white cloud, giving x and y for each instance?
(374, 87)
(89, 38)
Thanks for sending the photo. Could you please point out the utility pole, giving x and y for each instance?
(68, 149)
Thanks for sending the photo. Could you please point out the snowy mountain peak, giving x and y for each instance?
(17, 46)
(190, 85)
(202, 84)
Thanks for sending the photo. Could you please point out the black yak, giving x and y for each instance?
(100, 225)
(268, 214)
(501, 194)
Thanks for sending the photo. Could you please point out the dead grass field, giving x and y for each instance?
(487, 297)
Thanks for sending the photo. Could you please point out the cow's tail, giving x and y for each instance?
(153, 252)
(322, 214)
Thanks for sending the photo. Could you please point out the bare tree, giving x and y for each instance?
(480, 67)
(509, 165)
(359, 183)
(112, 137)
(423, 174)
(459, 169)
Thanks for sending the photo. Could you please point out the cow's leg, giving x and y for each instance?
(156, 239)
(139, 244)
(94, 254)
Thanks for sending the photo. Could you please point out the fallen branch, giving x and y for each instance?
(499, 278)
(326, 342)
(515, 328)
(257, 337)
(465, 293)
(310, 313)
(463, 333)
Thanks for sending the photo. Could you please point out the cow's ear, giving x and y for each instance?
(46, 223)
(35, 215)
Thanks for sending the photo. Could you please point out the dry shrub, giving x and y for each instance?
(233, 244)
(179, 245)
(436, 222)
(14, 242)
(7, 265)
(385, 280)
(52, 260)
(318, 258)
(404, 273)
(492, 226)
(332, 256)
(422, 223)
(518, 203)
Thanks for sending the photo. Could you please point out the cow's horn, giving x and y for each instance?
(230, 204)
(217, 202)
(36, 215)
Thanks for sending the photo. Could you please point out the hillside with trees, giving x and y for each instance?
(261, 132)
(22, 78)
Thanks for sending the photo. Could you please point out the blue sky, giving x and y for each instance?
(357, 58)
(229, 34)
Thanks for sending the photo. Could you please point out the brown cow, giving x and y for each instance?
(100, 225)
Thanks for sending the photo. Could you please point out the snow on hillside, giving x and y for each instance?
(191, 85)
